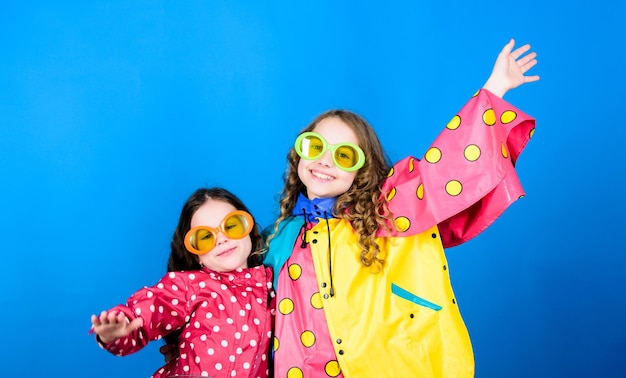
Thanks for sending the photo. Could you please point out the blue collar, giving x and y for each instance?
(315, 208)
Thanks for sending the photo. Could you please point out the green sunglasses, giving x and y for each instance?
(347, 156)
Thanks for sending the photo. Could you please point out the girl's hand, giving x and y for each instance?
(110, 326)
(509, 69)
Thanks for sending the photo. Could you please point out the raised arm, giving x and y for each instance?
(510, 69)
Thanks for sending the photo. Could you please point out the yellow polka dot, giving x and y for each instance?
(294, 372)
(390, 173)
(532, 132)
(433, 155)
(285, 306)
(392, 193)
(476, 93)
(508, 117)
(454, 123)
(472, 152)
(295, 271)
(489, 117)
(402, 223)
(454, 187)
(307, 338)
(420, 191)
(411, 164)
(276, 343)
(316, 301)
(505, 154)
(332, 368)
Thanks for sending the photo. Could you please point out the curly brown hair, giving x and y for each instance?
(362, 205)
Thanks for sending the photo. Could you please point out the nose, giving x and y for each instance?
(221, 238)
(326, 159)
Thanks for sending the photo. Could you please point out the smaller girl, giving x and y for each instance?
(215, 300)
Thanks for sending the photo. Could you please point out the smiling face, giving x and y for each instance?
(321, 177)
(228, 254)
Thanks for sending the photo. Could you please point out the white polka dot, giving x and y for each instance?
(172, 274)
(256, 321)
(193, 297)
(224, 343)
(216, 328)
(221, 307)
(244, 294)
(150, 294)
(188, 317)
(242, 312)
(160, 309)
(237, 335)
(204, 304)
(229, 320)
(184, 356)
(248, 275)
(208, 315)
(246, 365)
(174, 313)
(168, 327)
(202, 285)
(223, 287)
(253, 342)
(151, 308)
(218, 366)
(213, 294)
(188, 334)
(210, 351)
(245, 328)
(174, 301)
(259, 301)
(239, 351)
(191, 346)
(263, 357)
(138, 311)
(248, 307)
(192, 276)
(248, 289)
(233, 373)
(233, 299)
(160, 285)
(174, 287)
(197, 359)
(258, 284)
(203, 337)
(196, 325)
(205, 374)
(231, 277)
(186, 368)
(231, 358)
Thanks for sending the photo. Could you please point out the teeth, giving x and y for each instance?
(322, 176)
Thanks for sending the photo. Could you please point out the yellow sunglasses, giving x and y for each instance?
(201, 239)
(346, 156)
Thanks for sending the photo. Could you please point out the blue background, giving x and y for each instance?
(112, 113)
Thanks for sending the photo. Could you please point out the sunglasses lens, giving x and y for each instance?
(201, 239)
(311, 147)
(237, 226)
(346, 156)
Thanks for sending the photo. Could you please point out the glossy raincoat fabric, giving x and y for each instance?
(336, 317)
(225, 320)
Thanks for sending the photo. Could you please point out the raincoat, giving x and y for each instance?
(225, 320)
(336, 317)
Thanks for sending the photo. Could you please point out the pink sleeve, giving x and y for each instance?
(467, 177)
(163, 308)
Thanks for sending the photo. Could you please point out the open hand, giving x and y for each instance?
(510, 69)
(110, 326)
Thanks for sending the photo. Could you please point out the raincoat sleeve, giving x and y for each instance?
(163, 308)
(466, 178)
